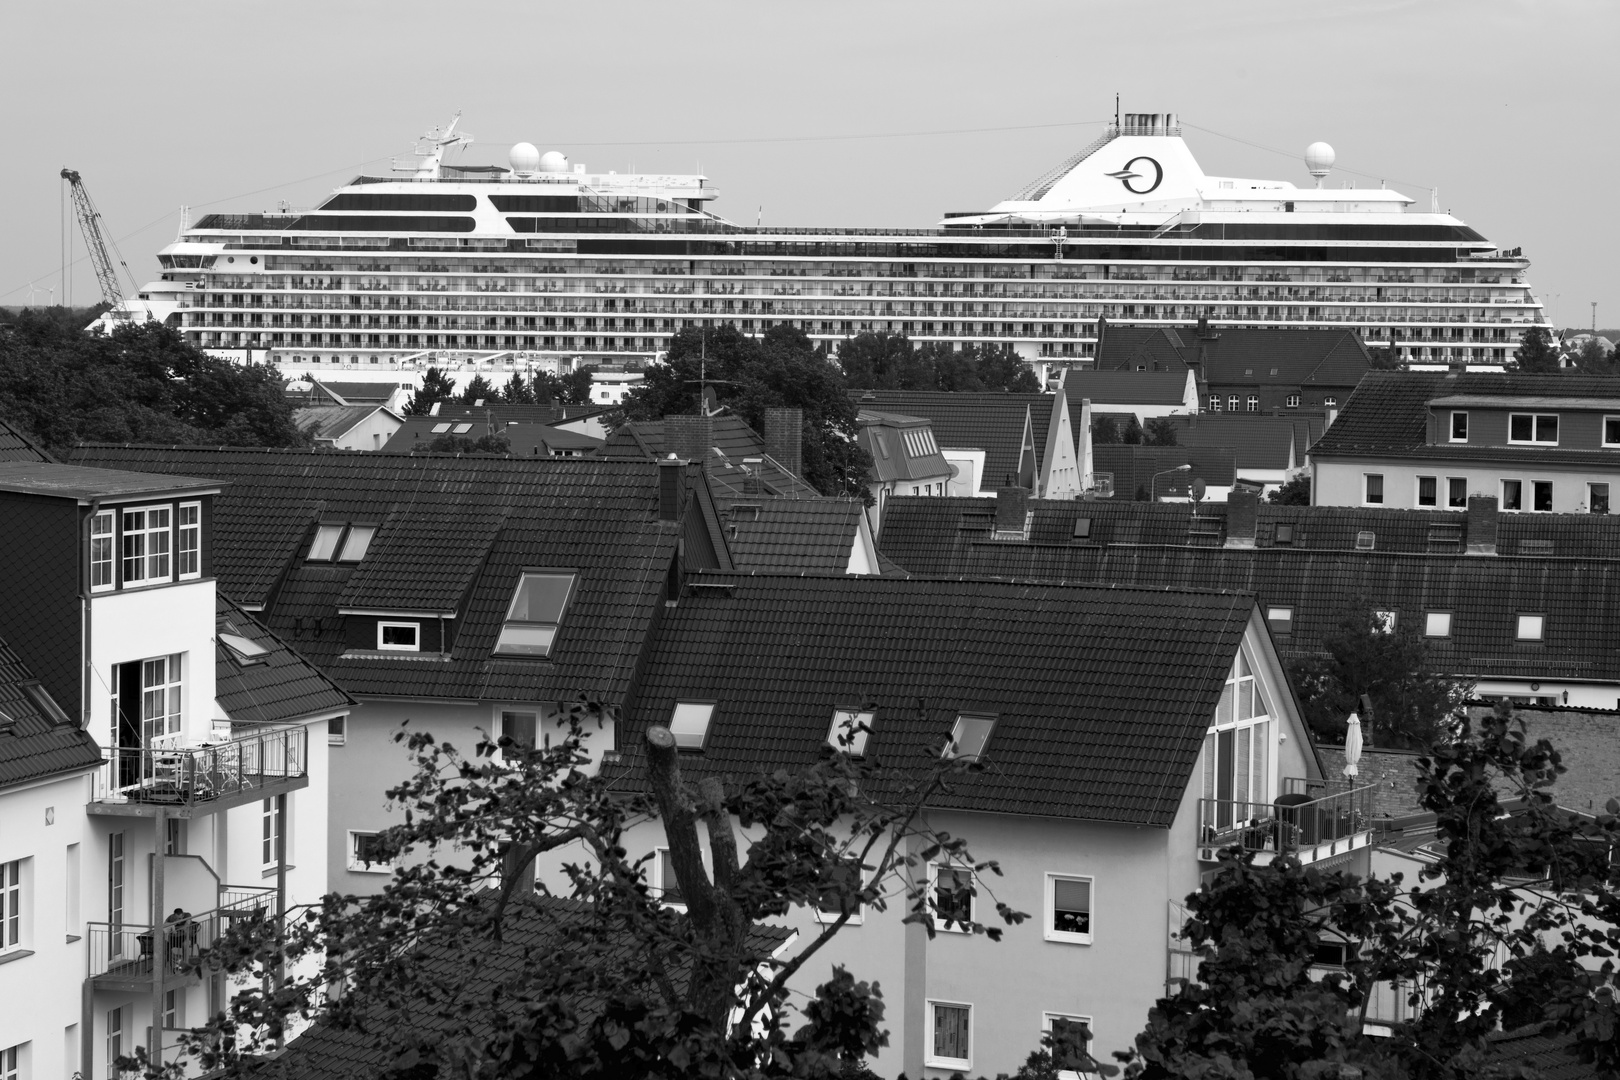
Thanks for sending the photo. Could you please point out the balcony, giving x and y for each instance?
(1312, 820)
(120, 954)
(185, 781)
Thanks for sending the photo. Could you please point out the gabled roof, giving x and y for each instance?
(732, 441)
(1256, 441)
(34, 747)
(354, 393)
(278, 688)
(902, 447)
(813, 536)
(1118, 388)
(334, 421)
(1134, 467)
(1285, 356)
(1102, 694)
(990, 422)
(1389, 413)
(519, 414)
(17, 446)
(444, 545)
(526, 438)
(1416, 564)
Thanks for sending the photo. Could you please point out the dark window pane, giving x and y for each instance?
(540, 598)
(1611, 430)
(1520, 427)
(1547, 429)
(1375, 488)
(1459, 426)
(1542, 492)
(1456, 491)
(1513, 495)
(1427, 491)
(1071, 906)
(953, 895)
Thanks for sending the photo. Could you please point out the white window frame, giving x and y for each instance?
(384, 624)
(823, 916)
(1451, 427)
(104, 550)
(1417, 492)
(340, 737)
(850, 729)
(956, 927)
(1233, 402)
(356, 535)
(1533, 440)
(685, 737)
(1540, 625)
(1070, 937)
(661, 856)
(1293, 401)
(1502, 488)
(171, 722)
(273, 831)
(115, 1038)
(188, 530)
(1603, 430)
(1330, 402)
(959, 728)
(1429, 625)
(1366, 490)
(1384, 620)
(358, 865)
(14, 1062)
(519, 649)
(148, 560)
(1214, 403)
(14, 935)
(1286, 618)
(1047, 1017)
(1254, 403)
(324, 547)
(1264, 788)
(933, 1060)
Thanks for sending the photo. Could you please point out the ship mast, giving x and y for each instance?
(430, 148)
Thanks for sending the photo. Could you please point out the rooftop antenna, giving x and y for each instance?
(1116, 110)
(1594, 316)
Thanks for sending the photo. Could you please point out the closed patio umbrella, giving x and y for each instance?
(1352, 746)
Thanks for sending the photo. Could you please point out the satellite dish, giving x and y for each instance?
(1197, 488)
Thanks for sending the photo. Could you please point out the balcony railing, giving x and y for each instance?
(121, 955)
(1313, 819)
(188, 776)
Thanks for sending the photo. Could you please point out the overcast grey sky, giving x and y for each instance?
(1507, 106)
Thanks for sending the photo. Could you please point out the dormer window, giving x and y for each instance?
(1536, 428)
(850, 728)
(689, 723)
(399, 636)
(969, 736)
(1459, 427)
(146, 545)
(536, 611)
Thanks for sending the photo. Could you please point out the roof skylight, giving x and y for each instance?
(462, 429)
(244, 650)
(326, 542)
(969, 736)
(355, 545)
(849, 730)
(440, 429)
(689, 723)
(536, 610)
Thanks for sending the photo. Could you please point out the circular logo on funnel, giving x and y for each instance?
(1130, 176)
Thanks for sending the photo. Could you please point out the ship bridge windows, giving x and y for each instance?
(350, 223)
(535, 204)
(433, 204)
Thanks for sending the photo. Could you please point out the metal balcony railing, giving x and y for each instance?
(191, 775)
(1310, 815)
(121, 954)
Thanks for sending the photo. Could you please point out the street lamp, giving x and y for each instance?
(1153, 485)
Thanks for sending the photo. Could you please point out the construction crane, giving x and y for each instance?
(90, 225)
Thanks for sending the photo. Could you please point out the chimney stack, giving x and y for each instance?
(671, 488)
(689, 437)
(1242, 512)
(784, 438)
(1481, 525)
(1012, 504)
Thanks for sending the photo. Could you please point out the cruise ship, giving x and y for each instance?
(543, 261)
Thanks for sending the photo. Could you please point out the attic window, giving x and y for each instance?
(1082, 528)
(462, 429)
(43, 703)
(849, 730)
(1383, 622)
(440, 429)
(342, 543)
(1285, 534)
(1281, 619)
(536, 610)
(1366, 540)
(244, 650)
(355, 545)
(326, 542)
(689, 723)
(969, 736)
(1531, 627)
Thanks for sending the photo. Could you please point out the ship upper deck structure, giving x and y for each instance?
(514, 266)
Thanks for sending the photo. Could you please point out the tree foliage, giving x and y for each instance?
(873, 361)
(704, 996)
(1295, 491)
(1160, 431)
(436, 388)
(479, 389)
(141, 383)
(1516, 915)
(749, 375)
(1413, 705)
(461, 444)
(1536, 352)
(1104, 432)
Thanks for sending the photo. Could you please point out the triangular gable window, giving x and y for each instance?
(536, 611)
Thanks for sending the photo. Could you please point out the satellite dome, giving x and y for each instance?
(1319, 159)
(525, 158)
(554, 162)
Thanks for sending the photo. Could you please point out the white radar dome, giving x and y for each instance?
(1319, 159)
(525, 157)
(553, 161)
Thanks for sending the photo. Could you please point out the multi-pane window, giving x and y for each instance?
(1233, 403)
(1533, 428)
(174, 1009)
(536, 610)
(11, 1063)
(188, 549)
(1214, 403)
(101, 550)
(1237, 751)
(147, 536)
(272, 829)
(1071, 1033)
(1293, 401)
(1068, 908)
(366, 853)
(1254, 402)
(950, 1035)
(1330, 402)
(10, 905)
(161, 697)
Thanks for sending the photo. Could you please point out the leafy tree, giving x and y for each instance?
(141, 383)
(1536, 352)
(891, 362)
(461, 444)
(1160, 431)
(517, 391)
(573, 388)
(479, 389)
(1413, 706)
(1001, 368)
(1592, 359)
(1132, 435)
(1104, 431)
(1383, 358)
(1295, 491)
(781, 368)
(704, 997)
(436, 387)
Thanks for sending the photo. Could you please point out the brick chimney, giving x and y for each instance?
(1481, 525)
(1242, 512)
(784, 438)
(1012, 504)
(688, 437)
(671, 488)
